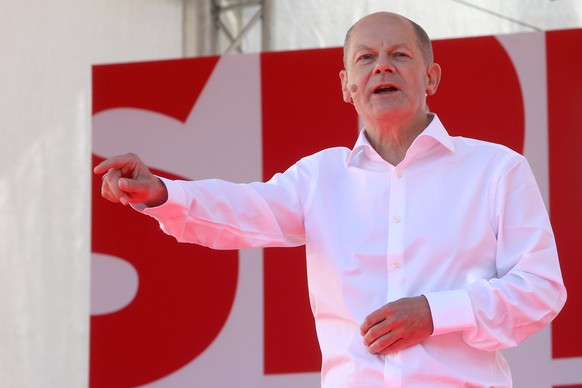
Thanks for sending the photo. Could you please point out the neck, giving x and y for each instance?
(393, 139)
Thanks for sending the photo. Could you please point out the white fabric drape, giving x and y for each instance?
(45, 126)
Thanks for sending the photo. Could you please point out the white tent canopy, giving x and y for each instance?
(290, 25)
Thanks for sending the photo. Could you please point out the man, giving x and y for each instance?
(426, 254)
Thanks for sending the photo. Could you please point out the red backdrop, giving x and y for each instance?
(180, 307)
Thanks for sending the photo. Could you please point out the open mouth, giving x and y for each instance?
(384, 89)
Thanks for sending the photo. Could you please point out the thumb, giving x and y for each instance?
(147, 191)
(132, 185)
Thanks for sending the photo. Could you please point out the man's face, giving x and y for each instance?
(384, 61)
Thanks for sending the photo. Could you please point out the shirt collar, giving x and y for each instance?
(435, 132)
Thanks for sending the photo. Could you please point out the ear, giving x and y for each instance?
(433, 78)
(344, 82)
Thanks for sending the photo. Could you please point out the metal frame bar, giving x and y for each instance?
(235, 34)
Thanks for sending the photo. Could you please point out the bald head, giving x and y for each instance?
(422, 38)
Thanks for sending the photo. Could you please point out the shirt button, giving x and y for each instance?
(395, 264)
(393, 354)
(396, 219)
(398, 174)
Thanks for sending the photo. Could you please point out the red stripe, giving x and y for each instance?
(565, 141)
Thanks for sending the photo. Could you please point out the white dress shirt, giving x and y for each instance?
(460, 221)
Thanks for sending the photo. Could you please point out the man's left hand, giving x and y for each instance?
(397, 325)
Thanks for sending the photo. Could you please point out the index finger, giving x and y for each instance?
(116, 162)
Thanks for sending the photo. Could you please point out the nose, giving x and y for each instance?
(384, 65)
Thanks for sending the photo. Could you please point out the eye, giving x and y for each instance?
(363, 57)
(401, 55)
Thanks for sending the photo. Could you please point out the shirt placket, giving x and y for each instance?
(396, 287)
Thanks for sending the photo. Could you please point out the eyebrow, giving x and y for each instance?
(369, 48)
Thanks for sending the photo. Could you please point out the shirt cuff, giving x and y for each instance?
(451, 311)
(173, 196)
(168, 211)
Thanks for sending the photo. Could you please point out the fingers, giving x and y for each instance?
(144, 188)
(126, 179)
(374, 319)
(110, 187)
(119, 189)
(379, 330)
(397, 325)
(116, 162)
(382, 338)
